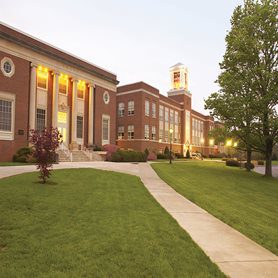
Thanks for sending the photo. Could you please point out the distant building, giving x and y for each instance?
(145, 117)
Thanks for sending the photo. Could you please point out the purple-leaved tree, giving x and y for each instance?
(45, 143)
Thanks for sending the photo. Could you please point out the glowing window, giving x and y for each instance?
(42, 78)
(176, 80)
(80, 89)
(62, 117)
(63, 84)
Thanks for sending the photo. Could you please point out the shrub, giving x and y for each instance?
(45, 144)
(23, 155)
(162, 156)
(110, 149)
(187, 154)
(260, 162)
(152, 156)
(128, 156)
(97, 148)
(233, 163)
(167, 151)
(147, 152)
(224, 159)
(251, 166)
(179, 155)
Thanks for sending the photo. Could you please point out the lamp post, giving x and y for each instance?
(171, 134)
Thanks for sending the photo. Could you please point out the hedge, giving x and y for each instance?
(128, 156)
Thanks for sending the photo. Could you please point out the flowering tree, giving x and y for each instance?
(45, 143)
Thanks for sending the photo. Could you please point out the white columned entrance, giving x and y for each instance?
(55, 99)
(91, 116)
(33, 96)
(74, 114)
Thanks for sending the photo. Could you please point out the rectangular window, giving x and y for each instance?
(153, 133)
(161, 113)
(121, 132)
(81, 89)
(130, 108)
(130, 132)
(40, 119)
(171, 117)
(63, 84)
(176, 118)
(5, 115)
(42, 78)
(147, 108)
(79, 128)
(105, 129)
(161, 130)
(154, 110)
(121, 109)
(166, 114)
(147, 132)
(166, 132)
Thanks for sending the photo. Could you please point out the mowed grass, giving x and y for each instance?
(246, 201)
(91, 223)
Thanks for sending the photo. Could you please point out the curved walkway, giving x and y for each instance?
(235, 254)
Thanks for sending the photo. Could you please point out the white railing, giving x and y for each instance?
(67, 152)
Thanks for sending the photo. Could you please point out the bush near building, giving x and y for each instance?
(232, 163)
(128, 156)
(24, 155)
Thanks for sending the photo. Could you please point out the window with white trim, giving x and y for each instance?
(121, 109)
(130, 107)
(40, 119)
(153, 133)
(147, 132)
(161, 113)
(154, 110)
(121, 132)
(166, 113)
(5, 115)
(161, 130)
(147, 108)
(79, 127)
(130, 132)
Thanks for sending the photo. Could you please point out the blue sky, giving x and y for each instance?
(137, 40)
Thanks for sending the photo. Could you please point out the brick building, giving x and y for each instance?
(148, 119)
(42, 86)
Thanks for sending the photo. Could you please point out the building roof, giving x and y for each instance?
(18, 37)
(177, 65)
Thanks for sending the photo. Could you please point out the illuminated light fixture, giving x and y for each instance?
(202, 140)
(211, 142)
(229, 143)
(235, 144)
(171, 131)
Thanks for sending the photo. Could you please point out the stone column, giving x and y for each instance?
(33, 97)
(55, 99)
(74, 114)
(91, 115)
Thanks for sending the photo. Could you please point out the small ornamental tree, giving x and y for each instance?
(187, 154)
(45, 143)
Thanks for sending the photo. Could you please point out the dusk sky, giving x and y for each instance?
(137, 40)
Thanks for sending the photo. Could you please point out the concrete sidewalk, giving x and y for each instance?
(235, 254)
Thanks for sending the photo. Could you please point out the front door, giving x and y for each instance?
(63, 126)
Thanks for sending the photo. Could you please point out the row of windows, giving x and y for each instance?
(147, 109)
(164, 113)
(197, 131)
(42, 83)
(130, 108)
(130, 132)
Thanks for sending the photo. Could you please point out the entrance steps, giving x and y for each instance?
(62, 156)
(78, 156)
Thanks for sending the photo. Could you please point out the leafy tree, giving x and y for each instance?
(187, 155)
(247, 99)
(45, 144)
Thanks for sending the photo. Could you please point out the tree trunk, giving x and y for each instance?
(248, 162)
(268, 157)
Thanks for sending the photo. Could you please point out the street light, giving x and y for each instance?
(171, 134)
(211, 143)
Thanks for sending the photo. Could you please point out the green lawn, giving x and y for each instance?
(274, 162)
(91, 223)
(2, 164)
(246, 201)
